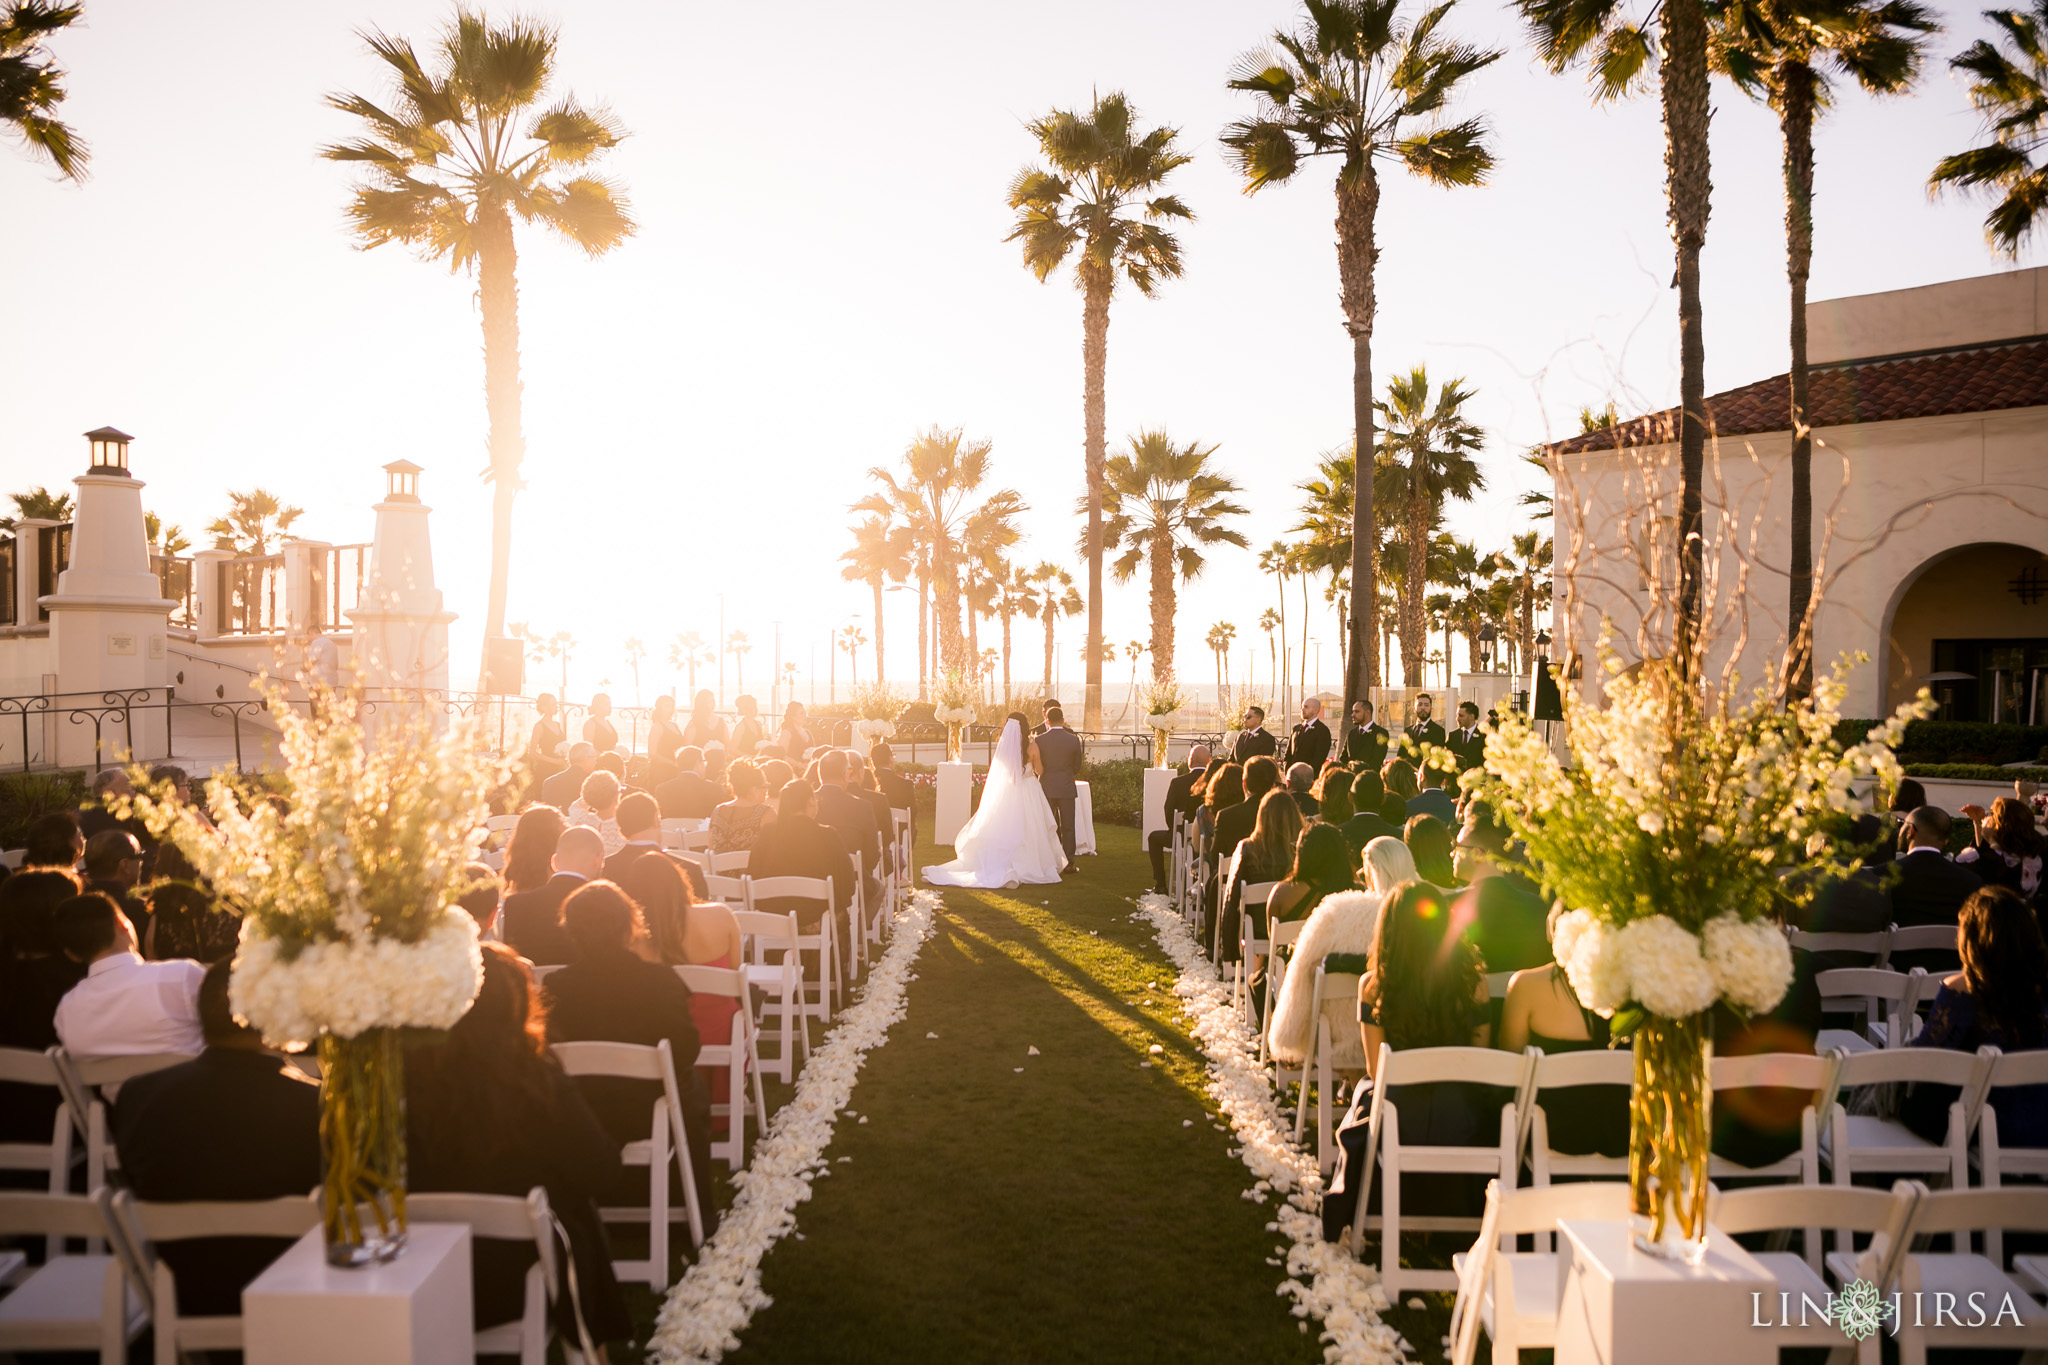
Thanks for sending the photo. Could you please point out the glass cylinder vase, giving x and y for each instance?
(1670, 1128)
(362, 1147)
(953, 730)
(1159, 739)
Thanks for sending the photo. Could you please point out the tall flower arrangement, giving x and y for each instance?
(876, 705)
(346, 883)
(1665, 838)
(953, 706)
(1164, 700)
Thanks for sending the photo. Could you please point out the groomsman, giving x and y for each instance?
(1367, 741)
(1423, 730)
(1468, 742)
(1255, 740)
(1310, 740)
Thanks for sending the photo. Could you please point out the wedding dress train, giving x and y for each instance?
(1012, 838)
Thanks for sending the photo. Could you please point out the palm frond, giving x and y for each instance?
(587, 211)
(1456, 155)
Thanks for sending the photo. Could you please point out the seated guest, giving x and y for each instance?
(1333, 794)
(1758, 1125)
(113, 867)
(1300, 777)
(598, 807)
(2000, 997)
(565, 786)
(639, 821)
(893, 786)
(481, 897)
(776, 772)
(1339, 929)
(851, 818)
(34, 975)
(96, 816)
(1506, 915)
(612, 994)
(615, 764)
(1859, 903)
(860, 780)
(1433, 799)
(237, 1122)
(1222, 788)
(1266, 856)
(1399, 779)
(1322, 868)
(2008, 850)
(688, 795)
(1927, 886)
(685, 931)
(124, 1007)
(184, 919)
(1234, 825)
(796, 845)
(533, 919)
(737, 825)
(529, 857)
(1910, 796)
(1181, 800)
(1429, 840)
(1366, 824)
(1423, 987)
(488, 1110)
(1541, 1009)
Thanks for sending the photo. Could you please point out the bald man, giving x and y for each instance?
(1180, 796)
(533, 919)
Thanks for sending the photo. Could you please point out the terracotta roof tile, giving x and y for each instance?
(1977, 379)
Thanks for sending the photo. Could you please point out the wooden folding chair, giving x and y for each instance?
(68, 1303)
(1514, 1294)
(780, 983)
(83, 1079)
(509, 1218)
(821, 993)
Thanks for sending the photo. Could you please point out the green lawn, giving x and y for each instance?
(1084, 1207)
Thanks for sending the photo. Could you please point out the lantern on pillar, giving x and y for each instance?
(402, 481)
(109, 451)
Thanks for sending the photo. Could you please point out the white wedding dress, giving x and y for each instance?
(1012, 839)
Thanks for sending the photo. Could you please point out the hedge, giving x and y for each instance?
(1958, 741)
(1976, 772)
(24, 797)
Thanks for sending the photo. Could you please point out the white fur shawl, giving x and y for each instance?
(1342, 923)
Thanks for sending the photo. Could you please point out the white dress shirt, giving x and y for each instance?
(126, 1007)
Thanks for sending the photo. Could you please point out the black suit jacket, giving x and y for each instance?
(1061, 751)
(1929, 889)
(686, 796)
(1234, 826)
(1470, 749)
(565, 786)
(1364, 827)
(1428, 732)
(896, 790)
(843, 810)
(229, 1124)
(794, 846)
(1180, 794)
(1309, 743)
(1253, 744)
(1367, 745)
(619, 997)
(533, 921)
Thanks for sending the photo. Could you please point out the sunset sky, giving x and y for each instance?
(820, 272)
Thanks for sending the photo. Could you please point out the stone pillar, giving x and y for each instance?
(28, 548)
(207, 604)
(304, 585)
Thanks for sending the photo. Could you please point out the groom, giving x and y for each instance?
(1059, 749)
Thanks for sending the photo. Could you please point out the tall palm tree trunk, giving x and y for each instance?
(1096, 287)
(1688, 188)
(1796, 118)
(1358, 200)
(498, 298)
(1414, 614)
(880, 676)
(1162, 608)
(1304, 634)
(923, 634)
(1051, 618)
(1006, 654)
(973, 655)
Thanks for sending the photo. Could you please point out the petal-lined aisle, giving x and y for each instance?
(990, 1203)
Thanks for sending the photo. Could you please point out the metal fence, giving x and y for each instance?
(252, 596)
(114, 715)
(175, 580)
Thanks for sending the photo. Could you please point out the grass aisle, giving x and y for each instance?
(1085, 1208)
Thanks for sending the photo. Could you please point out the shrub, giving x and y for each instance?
(1116, 787)
(1976, 772)
(24, 797)
(1958, 741)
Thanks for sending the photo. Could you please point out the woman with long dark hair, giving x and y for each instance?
(683, 931)
(1322, 868)
(1266, 855)
(488, 1110)
(2000, 997)
(2009, 849)
(529, 856)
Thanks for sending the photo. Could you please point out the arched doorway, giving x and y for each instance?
(1971, 625)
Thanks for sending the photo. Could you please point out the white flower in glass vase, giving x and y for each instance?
(1750, 960)
(1596, 968)
(1666, 973)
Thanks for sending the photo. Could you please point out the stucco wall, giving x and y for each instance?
(1952, 313)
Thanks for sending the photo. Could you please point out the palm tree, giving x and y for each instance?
(1616, 42)
(851, 638)
(1785, 53)
(562, 645)
(1164, 507)
(1269, 621)
(933, 499)
(32, 86)
(167, 540)
(2011, 92)
(686, 653)
(1133, 651)
(1432, 447)
(40, 504)
(737, 646)
(1219, 638)
(1054, 595)
(880, 555)
(446, 168)
(1278, 560)
(1360, 84)
(636, 652)
(1015, 595)
(1093, 204)
(1527, 562)
(991, 529)
(252, 521)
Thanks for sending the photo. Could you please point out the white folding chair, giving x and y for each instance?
(899, 820)
(13, 858)
(730, 864)
(1514, 1294)
(1388, 1158)
(1322, 1046)
(507, 1218)
(1785, 1071)
(780, 983)
(1279, 936)
(543, 970)
(731, 890)
(1930, 1281)
(666, 1141)
(1802, 1320)
(856, 922)
(1876, 945)
(1869, 1143)
(1921, 938)
(1226, 878)
(738, 1054)
(140, 1228)
(83, 1079)
(53, 1158)
(1555, 1079)
(1995, 1160)
(1250, 947)
(821, 993)
(68, 1303)
(1870, 992)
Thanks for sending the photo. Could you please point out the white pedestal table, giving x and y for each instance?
(955, 805)
(1084, 820)
(1617, 1305)
(1157, 780)
(414, 1310)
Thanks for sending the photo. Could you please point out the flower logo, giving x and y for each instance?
(1859, 1310)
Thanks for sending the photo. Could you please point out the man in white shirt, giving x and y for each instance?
(125, 1007)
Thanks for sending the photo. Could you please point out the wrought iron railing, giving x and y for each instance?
(100, 710)
(175, 580)
(252, 595)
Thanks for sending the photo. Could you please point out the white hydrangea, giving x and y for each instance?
(1666, 972)
(1750, 960)
(348, 986)
(1595, 967)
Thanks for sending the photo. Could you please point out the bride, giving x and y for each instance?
(1012, 838)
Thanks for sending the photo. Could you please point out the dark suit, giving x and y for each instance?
(896, 790)
(565, 786)
(794, 846)
(533, 921)
(1180, 796)
(1059, 749)
(230, 1124)
(686, 796)
(1309, 805)
(1929, 889)
(1469, 746)
(842, 809)
(619, 864)
(1415, 736)
(885, 823)
(1367, 745)
(1433, 801)
(1234, 826)
(1253, 744)
(1509, 924)
(1363, 828)
(1309, 743)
